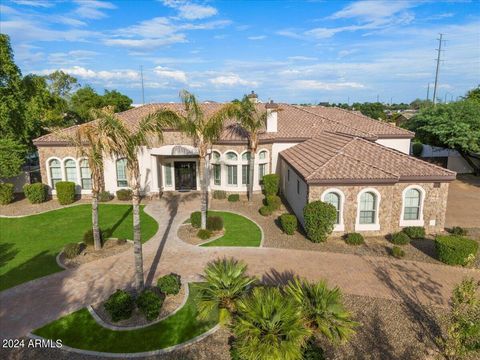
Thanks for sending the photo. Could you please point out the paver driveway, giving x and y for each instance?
(33, 304)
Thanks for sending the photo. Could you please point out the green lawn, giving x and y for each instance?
(239, 231)
(29, 245)
(81, 331)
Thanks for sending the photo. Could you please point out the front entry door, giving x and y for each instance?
(185, 175)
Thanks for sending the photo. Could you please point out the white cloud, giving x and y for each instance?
(372, 10)
(259, 37)
(302, 58)
(89, 74)
(92, 9)
(194, 11)
(320, 85)
(231, 80)
(346, 52)
(146, 43)
(35, 3)
(71, 57)
(176, 75)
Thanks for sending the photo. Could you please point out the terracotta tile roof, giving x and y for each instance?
(294, 122)
(329, 158)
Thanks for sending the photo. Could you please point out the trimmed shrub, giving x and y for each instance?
(265, 211)
(124, 194)
(312, 351)
(354, 239)
(204, 234)
(233, 197)
(219, 194)
(398, 252)
(456, 250)
(149, 304)
(35, 193)
(289, 223)
(417, 149)
(214, 223)
(196, 219)
(319, 220)
(459, 231)
(170, 284)
(400, 238)
(105, 196)
(270, 184)
(71, 250)
(88, 237)
(273, 202)
(414, 232)
(65, 192)
(119, 305)
(6, 193)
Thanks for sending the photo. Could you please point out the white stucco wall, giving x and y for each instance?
(296, 199)
(276, 148)
(402, 145)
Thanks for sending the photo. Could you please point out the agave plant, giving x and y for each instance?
(269, 326)
(225, 282)
(322, 309)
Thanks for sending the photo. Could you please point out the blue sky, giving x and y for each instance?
(289, 51)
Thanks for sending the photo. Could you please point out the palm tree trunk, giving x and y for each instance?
(137, 243)
(97, 240)
(204, 195)
(251, 173)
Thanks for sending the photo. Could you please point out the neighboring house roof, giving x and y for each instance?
(336, 158)
(295, 124)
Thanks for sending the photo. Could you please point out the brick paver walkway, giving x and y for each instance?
(30, 305)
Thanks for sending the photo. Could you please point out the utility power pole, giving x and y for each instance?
(428, 92)
(439, 51)
(377, 97)
(143, 89)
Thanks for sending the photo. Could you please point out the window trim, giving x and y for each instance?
(376, 225)
(340, 226)
(116, 173)
(420, 221)
(227, 166)
(76, 167)
(49, 173)
(81, 178)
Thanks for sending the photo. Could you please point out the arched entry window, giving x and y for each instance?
(55, 172)
(70, 170)
(368, 208)
(217, 168)
(333, 198)
(232, 168)
(245, 168)
(122, 180)
(262, 165)
(411, 210)
(85, 175)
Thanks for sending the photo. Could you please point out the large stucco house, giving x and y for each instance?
(360, 165)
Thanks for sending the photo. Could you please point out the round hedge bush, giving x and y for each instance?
(119, 305)
(35, 193)
(214, 223)
(273, 202)
(204, 234)
(220, 194)
(124, 194)
(417, 149)
(233, 197)
(289, 223)
(149, 303)
(72, 250)
(105, 196)
(196, 219)
(319, 218)
(6, 193)
(65, 192)
(400, 238)
(354, 239)
(265, 211)
(398, 252)
(170, 284)
(270, 184)
(456, 250)
(458, 230)
(414, 232)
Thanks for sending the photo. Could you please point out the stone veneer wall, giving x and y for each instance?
(61, 152)
(434, 206)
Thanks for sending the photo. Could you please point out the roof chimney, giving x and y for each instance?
(272, 116)
(253, 97)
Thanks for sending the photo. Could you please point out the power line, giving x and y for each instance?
(439, 51)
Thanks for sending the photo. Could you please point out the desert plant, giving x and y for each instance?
(124, 194)
(265, 211)
(233, 197)
(289, 223)
(204, 234)
(458, 230)
(417, 149)
(354, 239)
(214, 223)
(322, 309)
(225, 282)
(105, 196)
(273, 202)
(6, 193)
(196, 219)
(400, 238)
(219, 194)
(119, 305)
(35, 193)
(72, 250)
(270, 184)
(319, 218)
(88, 238)
(397, 252)
(456, 250)
(149, 303)
(414, 232)
(170, 284)
(269, 326)
(312, 351)
(65, 192)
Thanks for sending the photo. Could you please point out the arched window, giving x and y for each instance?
(85, 175)
(55, 172)
(70, 170)
(245, 168)
(262, 155)
(217, 168)
(368, 208)
(262, 166)
(334, 199)
(411, 207)
(122, 173)
(231, 156)
(232, 169)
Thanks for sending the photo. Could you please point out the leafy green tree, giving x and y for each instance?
(83, 101)
(373, 110)
(61, 84)
(418, 104)
(116, 99)
(473, 94)
(12, 157)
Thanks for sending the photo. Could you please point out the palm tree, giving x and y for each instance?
(93, 141)
(225, 283)
(204, 130)
(269, 326)
(252, 121)
(322, 309)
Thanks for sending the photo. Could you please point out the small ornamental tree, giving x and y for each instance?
(319, 220)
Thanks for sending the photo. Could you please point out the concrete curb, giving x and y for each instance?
(135, 355)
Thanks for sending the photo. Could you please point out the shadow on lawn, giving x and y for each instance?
(108, 232)
(7, 253)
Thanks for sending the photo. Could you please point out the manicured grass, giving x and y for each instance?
(28, 245)
(79, 330)
(239, 231)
